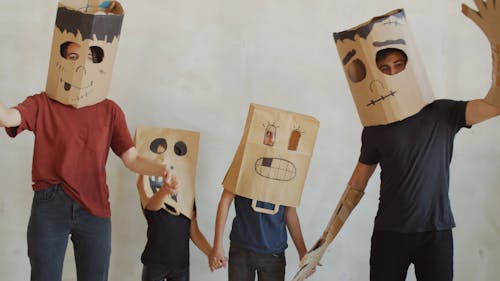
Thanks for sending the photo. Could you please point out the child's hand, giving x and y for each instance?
(171, 183)
(216, 259)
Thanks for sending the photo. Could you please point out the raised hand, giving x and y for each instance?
(486, 17)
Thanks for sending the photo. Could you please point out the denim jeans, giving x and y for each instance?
(54, 218)
(244, 263)
(160, 273)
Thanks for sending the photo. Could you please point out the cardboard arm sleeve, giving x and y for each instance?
(493, 96)
(348, 201)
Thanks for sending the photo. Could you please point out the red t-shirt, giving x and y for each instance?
(72, 146)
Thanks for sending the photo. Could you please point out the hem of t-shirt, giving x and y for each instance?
(259, 251)
(416, 230)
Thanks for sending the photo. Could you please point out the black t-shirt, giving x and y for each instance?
(168, 240)
(414, 156)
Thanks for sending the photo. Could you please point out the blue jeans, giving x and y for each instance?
(161, 273)
(54, 218)
(244, 263)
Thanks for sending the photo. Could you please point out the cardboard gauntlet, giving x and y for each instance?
(487, 18)
(348, 201)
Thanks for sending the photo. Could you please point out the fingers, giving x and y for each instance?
(472, 15)
(481, 6)
(217, 263)
(491, 4)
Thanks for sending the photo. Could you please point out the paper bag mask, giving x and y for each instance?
(381, 98)
(83, 51)
(273, 157)
(178, 149)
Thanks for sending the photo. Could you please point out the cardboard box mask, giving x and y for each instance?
(272, 159)
(383, 98)
(83, 51)
(178, 149)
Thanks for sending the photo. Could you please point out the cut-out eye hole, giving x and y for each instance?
(180, 148)
(293, 143)
(96, 54)
(70, 50)
(356, 71)
(391, 61)
(270, 135)
(158, 145)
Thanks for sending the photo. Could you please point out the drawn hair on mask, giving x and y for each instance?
(104, 27)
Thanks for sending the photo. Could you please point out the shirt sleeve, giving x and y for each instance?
(29, 111)
(121, 141)
(369, 154)
(455, 114)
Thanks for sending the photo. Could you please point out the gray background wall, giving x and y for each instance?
(198, 64)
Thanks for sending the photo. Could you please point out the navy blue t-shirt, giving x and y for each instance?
(258, 232)
(414, 156)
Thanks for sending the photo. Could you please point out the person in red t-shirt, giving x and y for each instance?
(70, 152)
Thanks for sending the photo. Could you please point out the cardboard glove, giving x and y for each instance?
(487, 18)
(347, 203)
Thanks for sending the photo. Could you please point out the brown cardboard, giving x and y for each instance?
(380, 98)
(273, 174)
(83, 81)
(180, 156)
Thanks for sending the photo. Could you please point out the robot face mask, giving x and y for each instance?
(383, 69)
(82, 56)
(273, 157)
(178, 149)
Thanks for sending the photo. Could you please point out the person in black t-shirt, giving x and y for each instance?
(166, 254)
(414, 219)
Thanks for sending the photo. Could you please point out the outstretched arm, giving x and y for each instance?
(487, 18)
(9, 117)
(145, 166)
(350, 198)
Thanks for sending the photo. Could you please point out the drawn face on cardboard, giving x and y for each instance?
(178, 149)
(273, 157)
(383, 69)
(82, 56)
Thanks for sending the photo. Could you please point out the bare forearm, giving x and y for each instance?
(221, 218)
(199, 239)
(293, 224)
(141, 164)
(157, 200)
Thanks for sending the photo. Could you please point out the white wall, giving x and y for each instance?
(198, 64)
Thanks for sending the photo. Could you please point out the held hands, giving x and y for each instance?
(216, 259)
(487, 17)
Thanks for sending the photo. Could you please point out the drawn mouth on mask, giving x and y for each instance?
(375, 101)
(68, 86)
(275, 168)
